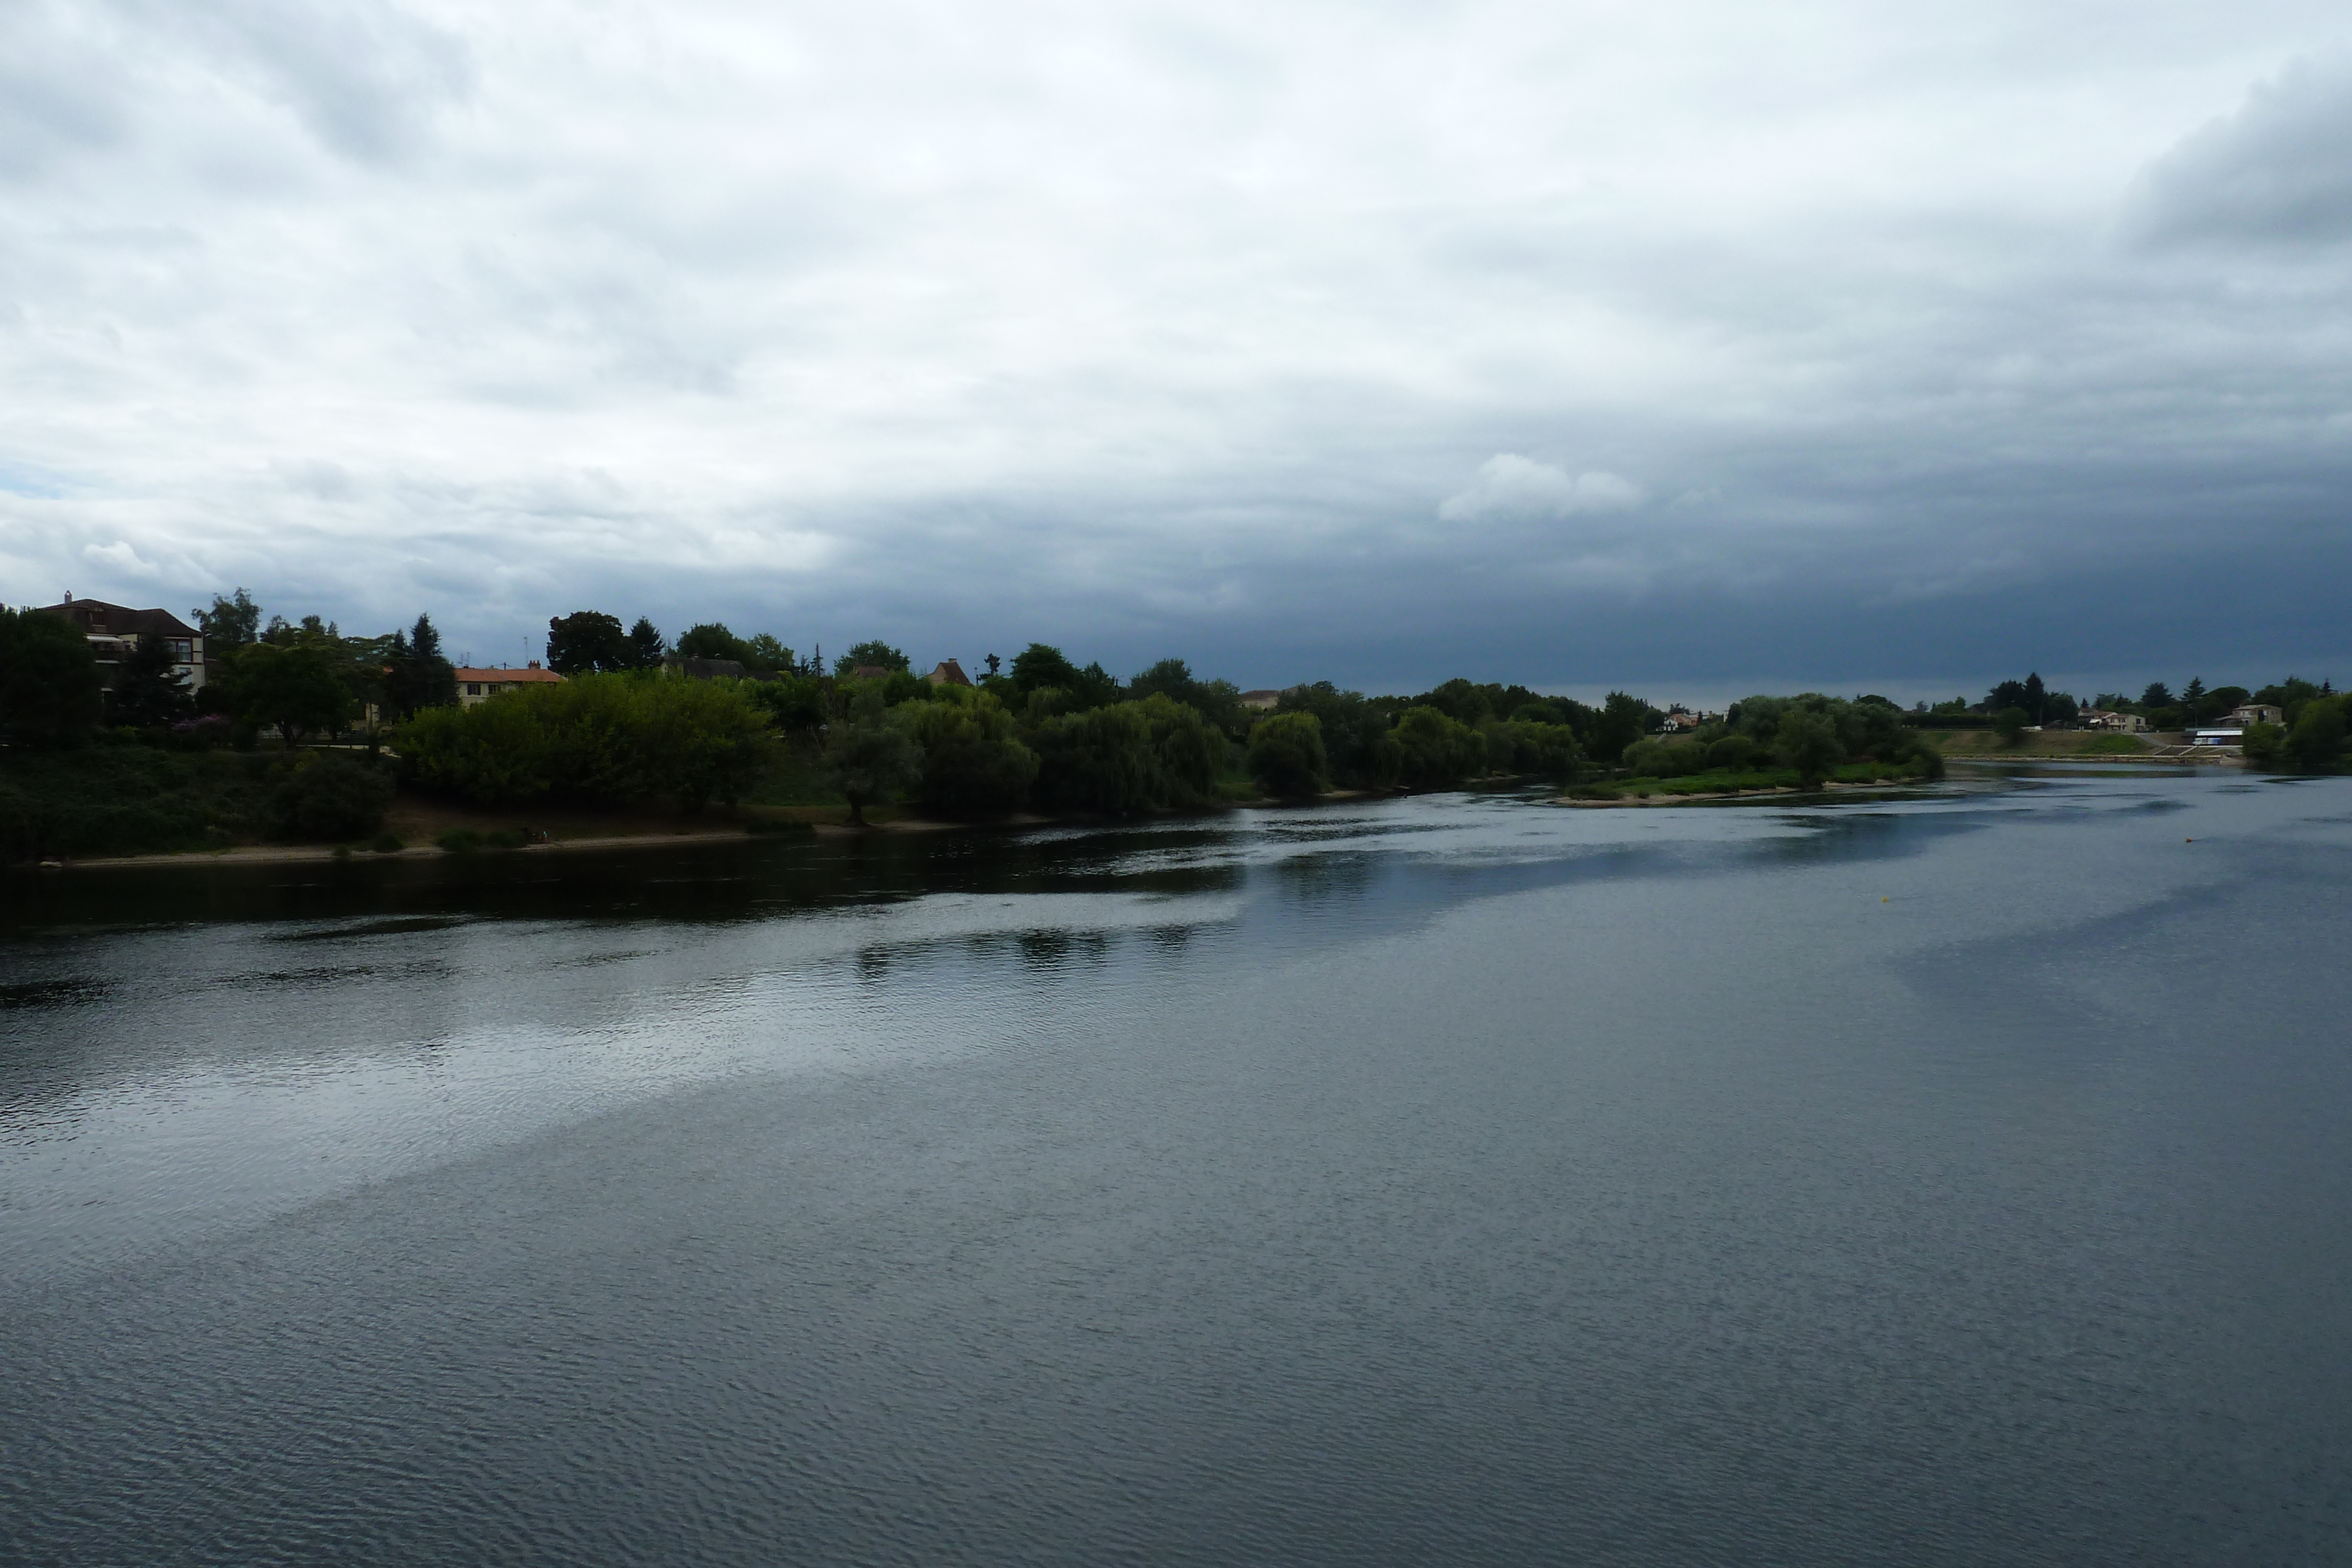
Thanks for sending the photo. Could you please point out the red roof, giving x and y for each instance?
(532, 674)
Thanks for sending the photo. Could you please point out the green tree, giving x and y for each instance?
(149, 690)
(2264, 743)
(1285, 756)
(2317, 741)
(1040, 667)
(2157, 695)
(876, 652)
(417, 676)
(646, 645)
(973, 763)
(1101, 759)
(766, 654)
(1622, 720)
(1171, 678)
(51, 694)
(867, 757)
(587, 642)
(2010, 724)
(293, 688)
(230, 624)
(1435, 752)
(1808, 742)
(711, 640)
(1362, 754)
(794, 703)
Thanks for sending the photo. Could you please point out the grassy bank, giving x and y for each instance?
(2040, 743)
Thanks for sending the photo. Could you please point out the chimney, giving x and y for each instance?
(534, 663)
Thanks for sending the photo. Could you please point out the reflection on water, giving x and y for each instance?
(1953, 1176)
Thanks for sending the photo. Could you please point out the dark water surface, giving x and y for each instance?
(1965, 1179)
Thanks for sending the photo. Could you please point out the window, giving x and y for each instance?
(473, 688)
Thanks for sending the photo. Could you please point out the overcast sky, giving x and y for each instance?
(1704, 346)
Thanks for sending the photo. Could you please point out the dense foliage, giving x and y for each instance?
(1286, 755)
(616, 738)
(50, 691)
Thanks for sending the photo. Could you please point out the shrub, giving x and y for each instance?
(2264, 743)
(1656, 758)
(329, 797)
(2009, 722)
(386, 843)
(1285, 756)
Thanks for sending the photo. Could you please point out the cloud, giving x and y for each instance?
(121, 558)
(1155, 327)
(1511, 487)
(2277, 172)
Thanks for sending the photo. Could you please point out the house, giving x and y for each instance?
(2255, 713)
(948, 673)
(1677, 721)
(2104, 718)
(870, 673)
(477, 686)
(1264, 701)
(115, 630)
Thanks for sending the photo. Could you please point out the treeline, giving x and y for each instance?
(1811, 736)
(1039, 732)
(2034, 703)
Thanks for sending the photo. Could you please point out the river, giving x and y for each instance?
(1963, 1177)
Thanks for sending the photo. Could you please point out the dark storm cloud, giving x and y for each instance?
(2277, 172)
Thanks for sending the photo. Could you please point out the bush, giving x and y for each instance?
(2264, 743)
(1808, 741)
(623, 738)
(329, 798)
(2010, 724)
(1656, 758)
(386, 843)
(1285, 756)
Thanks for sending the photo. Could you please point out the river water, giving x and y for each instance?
(1964, 1178)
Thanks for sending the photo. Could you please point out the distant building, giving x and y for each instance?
(871, 673)
(1678, 721)
(2255, 713)
(114, 631)
(2122, 723)
(2220, 736)
(948, 673)
(1262, 700)
(476, 686)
